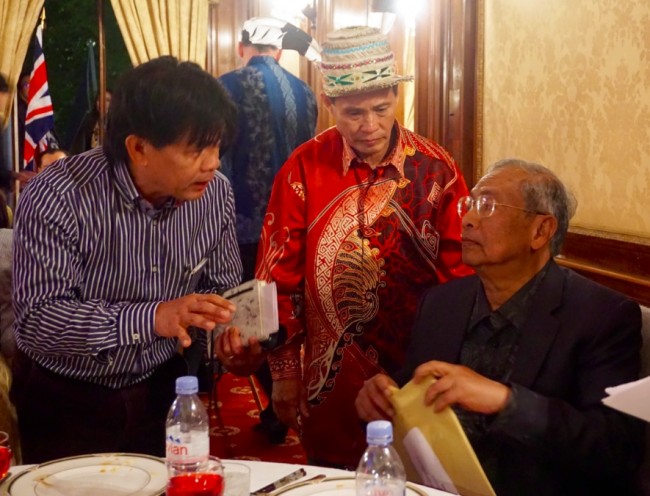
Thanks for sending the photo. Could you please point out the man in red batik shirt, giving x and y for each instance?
(361, 221)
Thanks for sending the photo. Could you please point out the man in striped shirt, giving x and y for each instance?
(117, 253)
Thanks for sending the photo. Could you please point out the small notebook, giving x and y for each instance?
(257, 309)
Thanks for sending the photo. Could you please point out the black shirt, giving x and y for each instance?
(489, 348)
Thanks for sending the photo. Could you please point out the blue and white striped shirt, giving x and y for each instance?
(92, 260)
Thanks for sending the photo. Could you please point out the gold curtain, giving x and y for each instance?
(17, 22)
(152, 28)
(408, 94)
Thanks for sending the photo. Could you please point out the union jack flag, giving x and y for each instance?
(39, 120)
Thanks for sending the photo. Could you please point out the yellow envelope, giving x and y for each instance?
(433, 446)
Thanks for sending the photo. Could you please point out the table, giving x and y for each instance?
(263, 473)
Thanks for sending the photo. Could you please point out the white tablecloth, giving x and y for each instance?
(263, 473)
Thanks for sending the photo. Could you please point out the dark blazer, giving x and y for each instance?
(555, 437)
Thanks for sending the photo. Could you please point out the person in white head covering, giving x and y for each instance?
(276, 112)
(361, 221)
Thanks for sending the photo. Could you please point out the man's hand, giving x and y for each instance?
(235, 356)
(459, 385)
(289, 402)
(204, 311)
(373, 400)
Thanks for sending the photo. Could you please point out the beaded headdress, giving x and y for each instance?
(358, 59)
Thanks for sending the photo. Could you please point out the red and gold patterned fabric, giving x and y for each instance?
(351, 250)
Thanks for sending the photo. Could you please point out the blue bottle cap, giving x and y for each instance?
(379, 432)
(188, 384)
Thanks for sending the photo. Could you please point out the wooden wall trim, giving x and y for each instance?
(479, 93)
(445, 79)
(621, 263)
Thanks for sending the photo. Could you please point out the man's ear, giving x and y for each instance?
(136, 148)
(240, 50)
(544, 228)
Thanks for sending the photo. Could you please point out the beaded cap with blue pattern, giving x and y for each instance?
(358, 59)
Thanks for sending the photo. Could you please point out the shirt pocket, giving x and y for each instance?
(193, 275)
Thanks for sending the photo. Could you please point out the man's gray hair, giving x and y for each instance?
(543, 192)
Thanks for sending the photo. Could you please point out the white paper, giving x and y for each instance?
(632, 398)
(427, 463)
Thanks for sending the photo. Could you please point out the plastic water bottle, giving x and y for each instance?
(187, 434)
(380, 471)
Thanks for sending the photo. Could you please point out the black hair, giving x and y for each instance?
(165, 101)
(4, 86)
(260, 47)
(53, 148)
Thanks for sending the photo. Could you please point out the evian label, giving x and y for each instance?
(187, 447)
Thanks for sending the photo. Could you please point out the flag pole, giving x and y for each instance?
(102, 70)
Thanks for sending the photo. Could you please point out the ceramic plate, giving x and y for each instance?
(335, 486)
(92, 475)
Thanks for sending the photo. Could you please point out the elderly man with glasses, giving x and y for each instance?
(523, 350)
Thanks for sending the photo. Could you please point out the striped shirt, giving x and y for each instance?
(92, 261)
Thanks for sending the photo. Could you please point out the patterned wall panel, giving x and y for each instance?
(567, 84)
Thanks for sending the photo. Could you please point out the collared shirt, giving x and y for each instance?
(276, 113)
(92, 261)
(489, 349)
(351, 249)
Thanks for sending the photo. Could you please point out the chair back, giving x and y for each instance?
(644, 473)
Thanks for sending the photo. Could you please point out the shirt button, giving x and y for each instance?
(154, 223)
(136, 337)
(154, 269)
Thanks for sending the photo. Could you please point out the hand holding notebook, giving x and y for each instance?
(257, 309)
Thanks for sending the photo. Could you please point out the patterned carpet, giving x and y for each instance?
(234, 437)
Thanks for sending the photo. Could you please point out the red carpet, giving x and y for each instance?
(239, 413)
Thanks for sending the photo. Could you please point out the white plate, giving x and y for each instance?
(114, 474)
(335, 486)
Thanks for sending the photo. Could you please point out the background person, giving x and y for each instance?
(117, 253)
(87, 136)
(8, 176)
(8, 421)
(524, 349)
(276, 113)
(21, 108)
(49, 156)
(361, 221)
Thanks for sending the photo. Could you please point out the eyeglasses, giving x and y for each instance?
(485, 206)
